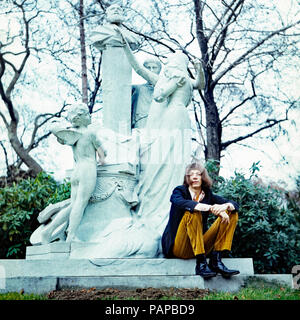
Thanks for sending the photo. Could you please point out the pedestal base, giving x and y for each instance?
(42, 276)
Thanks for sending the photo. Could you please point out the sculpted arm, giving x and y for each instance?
(65, 135)
(199, 82)
(138, 68)
(162, 91)
(102, 153)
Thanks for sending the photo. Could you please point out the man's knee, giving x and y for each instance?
(195, 217)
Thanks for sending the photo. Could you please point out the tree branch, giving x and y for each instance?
(5, 154)
(4, 119)
(257, 45)
(219, 21)
(241, 103)
(202, 40)
(149, 38)
(27, 52)
(48, 116)
(271, 124)
(218, 44)
(97, 82)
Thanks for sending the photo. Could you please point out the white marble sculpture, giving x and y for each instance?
(116, 71)
(107, 35)
(85, 142)
(142, 96)
(119, 209)
(167, 150)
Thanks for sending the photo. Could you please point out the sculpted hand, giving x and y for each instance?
(181, 82)
(197, 65)
(118, 30)
(199, 83)
(61, 141)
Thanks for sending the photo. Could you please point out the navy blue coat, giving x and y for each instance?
(182, 201)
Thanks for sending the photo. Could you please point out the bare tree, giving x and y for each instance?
(241, 43)
(215, 44)
(235, 40)
(83, 54)
(13, 60)
(83, 16)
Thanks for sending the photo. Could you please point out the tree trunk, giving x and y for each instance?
(32, 165)
(213, 124)
(213, 128)
(83, 54)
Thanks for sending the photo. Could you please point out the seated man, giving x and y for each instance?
(187, 235)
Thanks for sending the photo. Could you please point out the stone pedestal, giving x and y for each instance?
(116, 86)
(40, 275)
(109, 227)
(112, 199)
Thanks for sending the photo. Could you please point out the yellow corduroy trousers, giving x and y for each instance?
(190, 240)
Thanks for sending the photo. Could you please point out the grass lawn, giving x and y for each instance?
(257, 289)
(21, 296)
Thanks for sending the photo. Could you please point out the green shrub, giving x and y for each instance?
(268, 230)
(20, 205)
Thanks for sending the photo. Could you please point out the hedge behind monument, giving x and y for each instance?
(20, 204)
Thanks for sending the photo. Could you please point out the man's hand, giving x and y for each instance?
(224, 217)
(218, 208)
(202, 207)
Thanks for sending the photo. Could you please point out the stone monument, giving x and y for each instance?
(116, 71)
(119, 208)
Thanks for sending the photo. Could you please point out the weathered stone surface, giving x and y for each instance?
(112, 267)
(50, 210)
(41, 276)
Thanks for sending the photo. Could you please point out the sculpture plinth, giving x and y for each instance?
(116, 90)
(112, 199)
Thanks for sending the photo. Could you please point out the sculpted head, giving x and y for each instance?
(178, 60)
(115, 14)
(153, 65)
(79, 115)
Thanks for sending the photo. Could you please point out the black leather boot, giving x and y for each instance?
(202, 268)
(216, 264)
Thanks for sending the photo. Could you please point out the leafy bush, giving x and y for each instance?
(20, 205)
(293, 198)
(268, 230)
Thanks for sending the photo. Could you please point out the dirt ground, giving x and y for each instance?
(138, 294)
